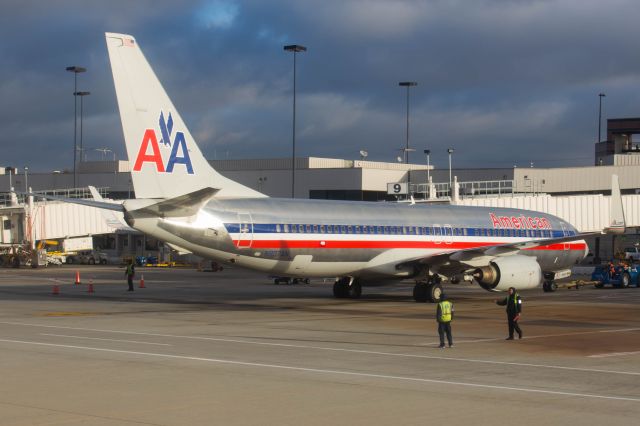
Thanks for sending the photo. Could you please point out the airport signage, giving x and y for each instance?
(397, 188)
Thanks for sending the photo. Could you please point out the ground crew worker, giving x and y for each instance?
(514, 307)
(444, 315)
(130, 272)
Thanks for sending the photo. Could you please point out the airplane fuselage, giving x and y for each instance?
(321, 238)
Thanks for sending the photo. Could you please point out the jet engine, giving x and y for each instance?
(517, 271)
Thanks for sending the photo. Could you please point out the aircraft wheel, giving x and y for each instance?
(420, 292)
(435, 292)
(341, 289)
(354, 290)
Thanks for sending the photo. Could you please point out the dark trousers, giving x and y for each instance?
(445, 327)
(513, 325)
(130, 282)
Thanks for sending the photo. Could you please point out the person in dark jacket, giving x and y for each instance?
(513, 302)
(444, 315)
(130, 272)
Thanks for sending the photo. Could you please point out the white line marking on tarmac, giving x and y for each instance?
(108, 340)
(614, 354)
(324, 348)
(325, 371)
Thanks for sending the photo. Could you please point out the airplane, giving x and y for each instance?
(182, 200)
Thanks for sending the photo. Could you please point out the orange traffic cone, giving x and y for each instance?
(90, 287)
(56, 290)
(141, 281)
(77, 282)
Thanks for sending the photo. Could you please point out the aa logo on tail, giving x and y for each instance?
(179, 152)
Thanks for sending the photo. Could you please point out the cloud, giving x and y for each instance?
(217, 14)
(502, 81)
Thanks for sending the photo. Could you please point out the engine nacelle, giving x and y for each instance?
(517, 271)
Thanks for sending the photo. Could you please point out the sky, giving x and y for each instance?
(502, 82)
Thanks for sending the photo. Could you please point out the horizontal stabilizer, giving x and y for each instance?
(113, 219)
(181, 206)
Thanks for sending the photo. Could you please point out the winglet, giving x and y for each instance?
(617, 222)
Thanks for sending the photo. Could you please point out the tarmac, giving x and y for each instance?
(232, 348)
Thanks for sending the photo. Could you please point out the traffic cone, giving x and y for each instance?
(90, 287)
(56, 290)
(77, 282)
(141, 281)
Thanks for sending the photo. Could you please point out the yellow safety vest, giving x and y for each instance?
(445, 311)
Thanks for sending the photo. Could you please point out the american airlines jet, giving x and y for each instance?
(182, 200)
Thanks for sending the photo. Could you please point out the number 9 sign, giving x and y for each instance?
(397, 188)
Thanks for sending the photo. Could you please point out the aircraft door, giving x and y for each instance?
(245, 231)
(565, 233)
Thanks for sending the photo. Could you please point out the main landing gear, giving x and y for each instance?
(347, 287)
(428, 291)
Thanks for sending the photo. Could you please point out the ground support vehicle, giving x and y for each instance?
(621, 276)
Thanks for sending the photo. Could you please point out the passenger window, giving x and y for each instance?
(343, 229)
(357, 228)
(315, 229)
(278, 228)
(322, 229)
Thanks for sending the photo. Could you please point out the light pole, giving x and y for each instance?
(75, 70)
(600, 96)
(450, 151)
(82, 95)
(295, 48)
(408, 85)
(427, 152)
(26, 180)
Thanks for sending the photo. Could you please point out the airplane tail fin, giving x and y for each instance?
(165, 159)
(617, 222)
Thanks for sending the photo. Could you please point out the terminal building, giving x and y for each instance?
(577, 194)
